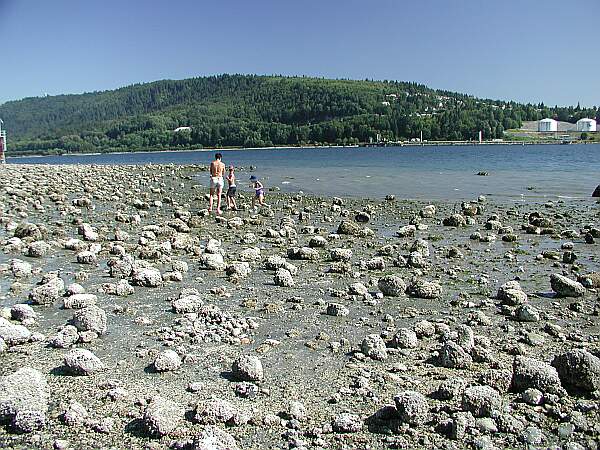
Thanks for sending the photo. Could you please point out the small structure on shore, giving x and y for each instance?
(2, 144)
(586, 125)
(547, 125)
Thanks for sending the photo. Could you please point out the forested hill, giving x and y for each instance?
(255, 111)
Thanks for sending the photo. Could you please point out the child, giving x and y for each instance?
(259, 192)
(231, 191)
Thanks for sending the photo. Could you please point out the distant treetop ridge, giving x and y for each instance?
(258, 111)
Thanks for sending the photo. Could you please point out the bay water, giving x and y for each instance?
(514, 172)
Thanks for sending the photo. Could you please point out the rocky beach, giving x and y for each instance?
(132, 318)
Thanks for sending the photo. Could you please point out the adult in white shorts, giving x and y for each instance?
(217, 170)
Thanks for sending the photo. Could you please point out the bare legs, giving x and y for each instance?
(261, 200)
(210, 199)
(218, 190)
(231, 203)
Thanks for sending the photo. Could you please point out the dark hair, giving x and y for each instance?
(218, 156)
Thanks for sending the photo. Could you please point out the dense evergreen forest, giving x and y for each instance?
(257, 111)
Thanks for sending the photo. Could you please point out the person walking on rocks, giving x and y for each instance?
(217, 170)
(231, 190)
(259, 192)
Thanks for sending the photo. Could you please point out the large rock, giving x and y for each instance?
(578, 369)
(24, 390)
(65, 338)
(596, 192)
(250, 254)
(81, 361)
(374, 347)
(187, 304)
(162, 416)
(212, 261)
(337, 309)
(148, 277)
(91, 318)
(167, 361)
(80, 301)
(481, 401)
(455, 220)
(590, 280)
(421, 246)
(49, 290)
(391, 285)
(427, 211)
(121, 267)
(565, 287)
(75, 414)
(424, 289)
(87, 257)
(28, 421)
(532, 373)
(453, 356)
(358, 289)
(303, 253)
(283, 278)
(347, 423)
(527, 313)
(417, 260)
(215, 411)
(20, 269)
(412, 407)
(21, 312)
(274, 262)
(348, 227)
(248, 368)
(406, 231)
(29, 230)
(214, 438)
(13, 334)
(340, 254)
(317, 242)
(465, 337)
(511, 293)
(404, 338)
(238, 270)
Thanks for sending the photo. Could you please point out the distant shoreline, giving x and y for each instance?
(292, 147)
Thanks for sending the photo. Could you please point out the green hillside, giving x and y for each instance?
(256, 111)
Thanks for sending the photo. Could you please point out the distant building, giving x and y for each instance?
(586, 125)
(547, 125)
(178, 129)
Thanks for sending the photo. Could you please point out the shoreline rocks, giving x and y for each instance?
(294, 325)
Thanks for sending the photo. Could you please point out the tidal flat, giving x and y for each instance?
(132, 318)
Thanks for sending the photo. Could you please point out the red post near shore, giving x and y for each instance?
(2, 144)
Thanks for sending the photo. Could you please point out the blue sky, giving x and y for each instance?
(523, 50)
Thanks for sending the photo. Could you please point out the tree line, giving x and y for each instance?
(258, 111)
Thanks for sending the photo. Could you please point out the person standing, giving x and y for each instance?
(231, 190)
(217, 170)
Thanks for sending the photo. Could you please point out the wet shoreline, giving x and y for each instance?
(315, 354)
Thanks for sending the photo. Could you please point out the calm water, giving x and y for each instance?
(442, 172)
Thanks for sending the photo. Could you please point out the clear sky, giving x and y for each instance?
(524, 50)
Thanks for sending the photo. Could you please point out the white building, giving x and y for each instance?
(178, 129)
(547, 125)
(586, 125)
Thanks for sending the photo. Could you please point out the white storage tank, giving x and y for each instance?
(586, 125)
(547, 125)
